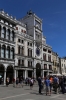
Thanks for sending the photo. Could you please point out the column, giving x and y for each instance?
(34, 73)
(25, 74)
(43, 73)
(5, 76)
(16, 73)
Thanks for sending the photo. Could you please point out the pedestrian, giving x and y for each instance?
(21, 81)
(7, 81)
(39, 84)
(31, 83)
(47, 83)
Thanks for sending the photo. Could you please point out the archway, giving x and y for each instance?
(1, 71)
(10, 73)
(38, 70)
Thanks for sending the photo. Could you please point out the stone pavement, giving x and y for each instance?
(11, 93)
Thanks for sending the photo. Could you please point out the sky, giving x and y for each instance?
(53, 14)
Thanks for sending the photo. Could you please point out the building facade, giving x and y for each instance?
(23, 48)
(56, 63)
(63, 65)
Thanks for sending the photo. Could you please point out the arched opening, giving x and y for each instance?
(3, 51)
(8, 34)
(8, 52)
(0, 30)
(38, 70)
(1, 71)
(3, 32)
(10, 73)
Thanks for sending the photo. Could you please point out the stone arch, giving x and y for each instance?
(10, 72)
(2, 68)
(38, 70)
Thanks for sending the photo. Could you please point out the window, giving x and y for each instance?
(30, 52)
(45, 66)
(44, 49)
(2, 52)
(29, 63)
(22, 62)
(3, 32)
(18, 40)
(50, 67)
(19, 62)
(8, 34)
(49, 58)
(16, 28)
(22, 41)
(8, 52)
(12, 53)
(0, 31)
(12, 36)
(44, 57)
(28, 43)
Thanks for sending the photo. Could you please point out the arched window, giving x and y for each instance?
(3, 49)
(12, 53)
(8, 34)
(3, 32)
(12, 36)
(0, 31)
(8, 52)
(22, 50)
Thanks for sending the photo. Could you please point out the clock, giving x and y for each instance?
(37, 51)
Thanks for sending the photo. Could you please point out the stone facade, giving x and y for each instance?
(23, 48)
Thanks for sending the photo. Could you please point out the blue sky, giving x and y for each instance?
(53, 13)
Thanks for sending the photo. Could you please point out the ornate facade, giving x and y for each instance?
(23, 48)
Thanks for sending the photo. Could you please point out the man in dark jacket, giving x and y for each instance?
(39, 83)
